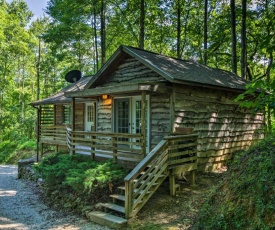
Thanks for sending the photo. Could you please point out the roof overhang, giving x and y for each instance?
(122, 89)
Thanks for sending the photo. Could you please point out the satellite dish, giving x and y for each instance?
(73, 76)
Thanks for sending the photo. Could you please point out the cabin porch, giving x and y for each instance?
(175, 154)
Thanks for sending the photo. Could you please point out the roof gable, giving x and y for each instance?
(129, 71)
(171, 69)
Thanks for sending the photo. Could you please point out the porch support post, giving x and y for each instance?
(73, 124)
(38, 130)
(143, 122)
(54, 122)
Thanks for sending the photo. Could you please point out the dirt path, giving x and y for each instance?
(20, 207)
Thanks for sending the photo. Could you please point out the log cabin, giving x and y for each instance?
(146, 109)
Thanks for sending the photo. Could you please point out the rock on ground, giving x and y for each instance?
(21, 208)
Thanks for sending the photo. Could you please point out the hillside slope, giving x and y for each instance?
(246, 197)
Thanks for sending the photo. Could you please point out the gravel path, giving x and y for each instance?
(20, 207)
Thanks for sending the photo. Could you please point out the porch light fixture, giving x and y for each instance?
(104, 96)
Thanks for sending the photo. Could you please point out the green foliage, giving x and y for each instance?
(245, 199)
(28, 145)
(78, 173)
(6, 148)
(12, 151)
(258, 95)
(72, 38)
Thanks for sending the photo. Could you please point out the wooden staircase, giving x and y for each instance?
(113, 214)
(172, 155)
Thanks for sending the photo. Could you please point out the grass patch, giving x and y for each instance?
(246, 197)
(11, 152)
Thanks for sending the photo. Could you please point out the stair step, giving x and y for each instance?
(161, 176)
(114, 207)
(107, 219)
(123, 188)
(118, 197)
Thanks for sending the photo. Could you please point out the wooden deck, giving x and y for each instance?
(173, 155)
(121, 147)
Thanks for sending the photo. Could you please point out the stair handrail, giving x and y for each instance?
(145, 161)
(129, 179)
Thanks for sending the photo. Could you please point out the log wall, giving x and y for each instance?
(59, 118)
(222, 126)
(160, 118)
(131, 71)
(104, 115)
(79, 116)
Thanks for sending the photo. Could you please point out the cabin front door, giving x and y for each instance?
(128, 117)
(89, 117)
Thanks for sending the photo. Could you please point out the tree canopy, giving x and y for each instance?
(36, 54)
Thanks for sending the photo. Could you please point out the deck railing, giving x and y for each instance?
(119, 146)
(173, 153)
(53, 135)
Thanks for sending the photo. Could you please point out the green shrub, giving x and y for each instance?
(78, 173)
(28, 145)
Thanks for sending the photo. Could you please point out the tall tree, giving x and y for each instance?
(142, 24)
(178, 28)
(103, 31)
(243, 38)
(205, 34)
(233, 36)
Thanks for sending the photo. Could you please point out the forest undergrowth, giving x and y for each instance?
(240, 198)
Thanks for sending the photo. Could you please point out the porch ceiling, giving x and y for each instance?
(121, 89)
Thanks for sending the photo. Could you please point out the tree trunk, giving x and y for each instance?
(141, 25)
(243, 38)
(178, 29)
(95, 39)
(103, 32)
(38, 69)
(205, 31)
(233, 36)
(269, 122)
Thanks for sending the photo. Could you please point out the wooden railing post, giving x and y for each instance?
(114, 144)
(93, 148)
(129, 199)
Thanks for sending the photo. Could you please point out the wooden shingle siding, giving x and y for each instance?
(104, 114)
(222, 126)
(160, 118)
(79, 116)
(131, 71)
(59, 117)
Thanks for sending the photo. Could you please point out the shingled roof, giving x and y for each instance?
(59, 97)
(176, 70)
